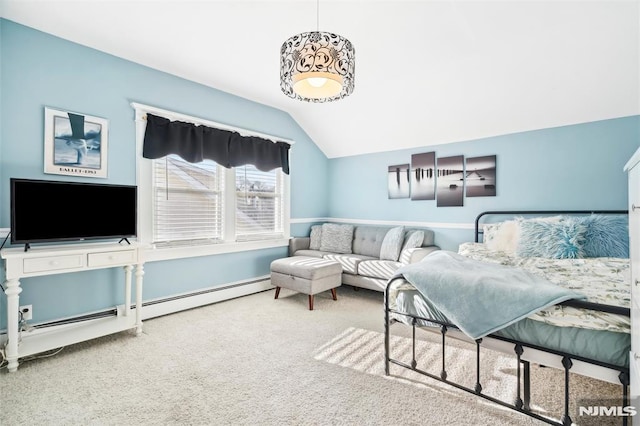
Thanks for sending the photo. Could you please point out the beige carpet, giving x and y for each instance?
(259, 361)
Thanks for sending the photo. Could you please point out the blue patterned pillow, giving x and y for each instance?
(606, 236)
(552, 240)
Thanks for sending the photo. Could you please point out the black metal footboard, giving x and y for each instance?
(522, 400)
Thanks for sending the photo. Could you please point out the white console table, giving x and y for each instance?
(49, 260)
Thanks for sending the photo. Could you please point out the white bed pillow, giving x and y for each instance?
(503, 236)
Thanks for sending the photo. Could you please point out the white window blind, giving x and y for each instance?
(259, 203)
(188, 201)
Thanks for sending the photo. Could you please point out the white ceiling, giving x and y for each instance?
(427, 72)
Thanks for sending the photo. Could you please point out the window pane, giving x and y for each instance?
(259, 203)
(188, 202)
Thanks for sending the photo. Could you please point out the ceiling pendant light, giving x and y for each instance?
(317, 66)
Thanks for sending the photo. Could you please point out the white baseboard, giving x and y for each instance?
(166, 306)
(152, 309)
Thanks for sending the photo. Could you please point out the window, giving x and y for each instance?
(188, 201)
(259, 203)
(196, 209)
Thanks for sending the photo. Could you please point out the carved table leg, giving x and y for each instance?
(139, 274)
(12, 291)
(127, 289)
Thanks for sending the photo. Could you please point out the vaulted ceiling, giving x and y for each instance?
(427, 72)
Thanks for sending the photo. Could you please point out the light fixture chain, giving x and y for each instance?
(318, 15)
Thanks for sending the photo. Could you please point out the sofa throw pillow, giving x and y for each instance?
(316, 235)
(392, 244)
(412, 240)
(606, 236)
(552, 240)
(336, 238)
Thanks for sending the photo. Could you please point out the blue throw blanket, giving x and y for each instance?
(480, 297)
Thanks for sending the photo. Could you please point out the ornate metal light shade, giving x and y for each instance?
(317, 67)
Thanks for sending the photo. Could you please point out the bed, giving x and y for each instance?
(568, 270)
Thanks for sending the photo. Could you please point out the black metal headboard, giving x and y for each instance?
(478, 229)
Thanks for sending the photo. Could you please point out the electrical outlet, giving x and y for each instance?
(27, 312)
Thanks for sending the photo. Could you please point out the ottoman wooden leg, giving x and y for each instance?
(333, 293)
(277, 292)
(311, 302)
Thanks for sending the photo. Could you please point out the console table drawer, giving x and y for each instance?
(52, 263)
(112, 258)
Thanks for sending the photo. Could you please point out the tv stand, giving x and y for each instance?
(124, 239)
(27, 246)
(49, 260)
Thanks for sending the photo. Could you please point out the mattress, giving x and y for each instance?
(599, 336)
(600, 345)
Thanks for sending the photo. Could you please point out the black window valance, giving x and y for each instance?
(195, 143)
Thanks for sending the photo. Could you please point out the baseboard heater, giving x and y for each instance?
(258, 285)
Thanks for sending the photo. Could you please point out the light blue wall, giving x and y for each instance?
(571, 167)
(1, 102)
(40, 70)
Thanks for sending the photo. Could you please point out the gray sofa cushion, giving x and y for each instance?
(405, 255)
(367, 240)
(349, 262)
(311, 253)
(378, 268)
(392, 243)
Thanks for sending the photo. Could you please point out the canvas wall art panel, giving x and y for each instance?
(450, 181)
(75, 144)
(423, 176)
(398, 181)
(481, 176)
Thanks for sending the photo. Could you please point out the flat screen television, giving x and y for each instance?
(50, 211)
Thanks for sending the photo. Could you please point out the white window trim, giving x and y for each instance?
(145, 205)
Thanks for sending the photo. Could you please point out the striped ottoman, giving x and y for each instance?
(308, 275)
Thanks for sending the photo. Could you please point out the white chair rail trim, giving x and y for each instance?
(439, 225)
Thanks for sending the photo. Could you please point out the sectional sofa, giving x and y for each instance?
(369, 255)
